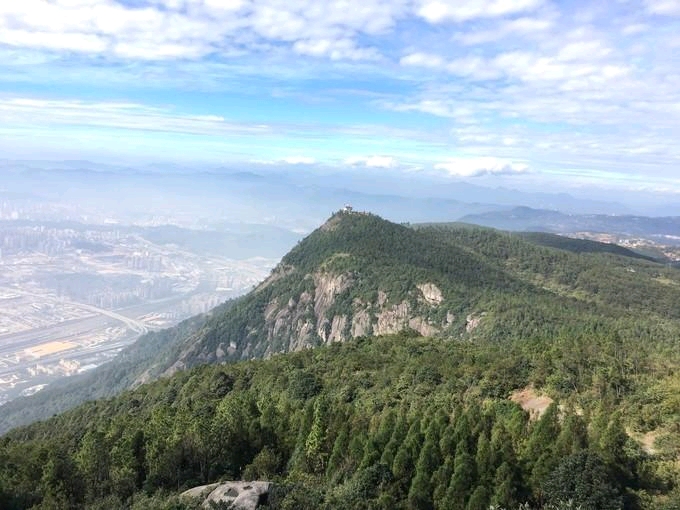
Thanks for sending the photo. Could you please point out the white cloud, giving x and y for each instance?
(527, 27)
(68, 41)
(437, 11)
(583, 50)
(589, 86)
(164, 29)
(570, 61)
(19, 112)
(664, 7)
(422, 60)
(473, 67)
(288, 160)
(343, 49)
(439, 108)
(635, 28)
(475, 167)
(299, 160)
(372, 161)
(151, 51)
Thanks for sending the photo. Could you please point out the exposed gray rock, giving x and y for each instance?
(240, 495)
(338, 329)
(473, 321)
(431, 293)
(361, 323)
(422, 326)
(393, 320)
(328, 286)
(302, 321)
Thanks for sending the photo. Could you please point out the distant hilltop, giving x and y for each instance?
(348, 209)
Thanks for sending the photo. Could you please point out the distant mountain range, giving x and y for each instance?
(662, 229)
(290, 198)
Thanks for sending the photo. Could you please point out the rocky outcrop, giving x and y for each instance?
(361, 323)
(327, 288)
(473, 321)
(239, 495)
(304, 320)
(420, 325)
(393, 319)
(400, 317)
(431, 293)
(338, 326)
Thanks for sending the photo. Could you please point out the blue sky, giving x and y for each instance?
(523, 93)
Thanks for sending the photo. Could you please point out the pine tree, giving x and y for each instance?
(406, 458)
(584, 479)
(506, 483)
(420, 494)
(479, 499)
(540, 450)
(337, 458)
(395, 441)
(94, 462)
(462, 480)
(315, 442)
(484, 461)
(440, 482)
(573, 437)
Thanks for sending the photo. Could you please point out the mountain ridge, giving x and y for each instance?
(544, 220)
(368, 420)
(358, 274)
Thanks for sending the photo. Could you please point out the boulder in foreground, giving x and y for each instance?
(240, 495)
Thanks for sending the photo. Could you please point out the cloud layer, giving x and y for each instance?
(171, 29)
(466, 88)
(475, 167)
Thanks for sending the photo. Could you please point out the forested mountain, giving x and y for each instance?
(421, 335)
(360, 275)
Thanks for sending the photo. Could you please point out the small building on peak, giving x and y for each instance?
(348, 209)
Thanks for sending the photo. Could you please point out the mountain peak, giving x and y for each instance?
(356, 275)
(348, 214)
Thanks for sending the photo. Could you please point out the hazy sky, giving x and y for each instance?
(575, 93)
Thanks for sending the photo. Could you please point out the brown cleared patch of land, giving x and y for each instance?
(50, 348)
(529, 400)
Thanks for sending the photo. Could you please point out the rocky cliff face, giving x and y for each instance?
(309, 318)
(314, 317)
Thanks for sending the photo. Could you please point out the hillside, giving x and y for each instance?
(356, 275)
(549, 240)
(582, 245)
(360, 275)
(398, 422)
(421, 337)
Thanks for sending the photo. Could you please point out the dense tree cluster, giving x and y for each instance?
(388, 423)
